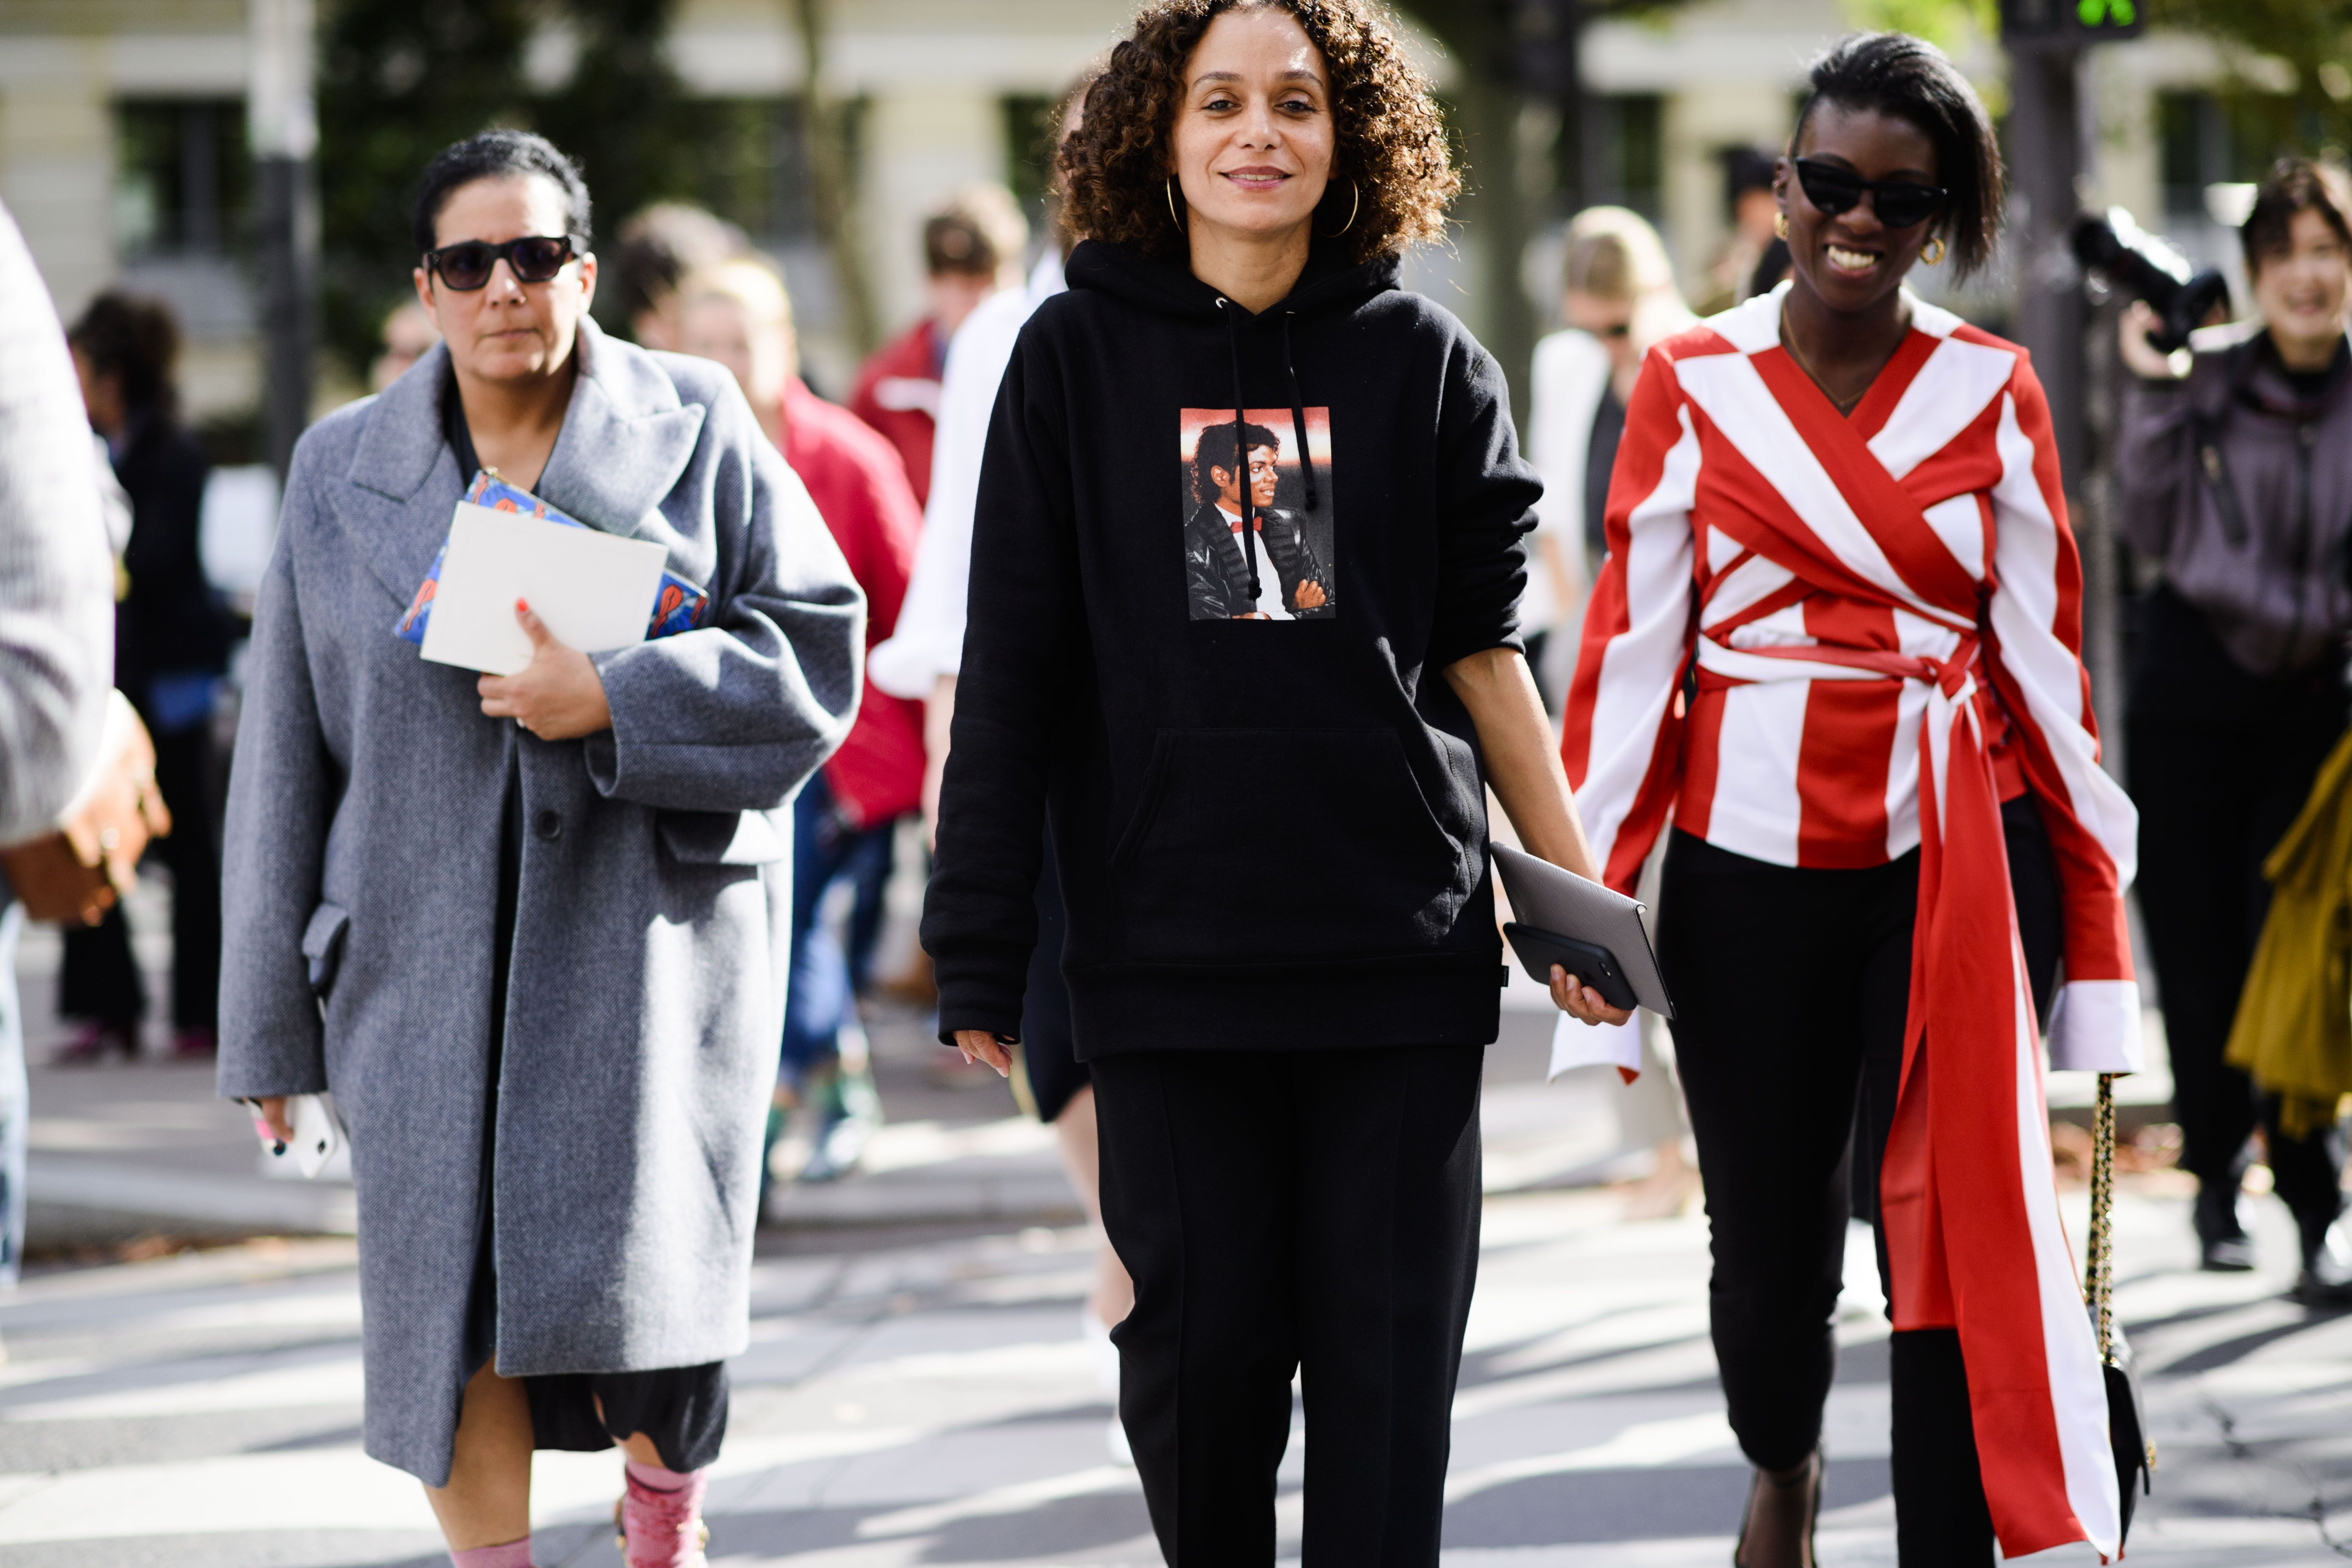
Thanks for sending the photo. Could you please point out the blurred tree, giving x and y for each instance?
(1512, 53)
(2312, 37)
(623, 114)
(398, 81)
(829, 133)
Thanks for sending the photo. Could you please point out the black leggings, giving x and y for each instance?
(2214, 800)
(1790, 991)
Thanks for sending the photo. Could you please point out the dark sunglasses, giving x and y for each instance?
(1899, 203)
(534, 258)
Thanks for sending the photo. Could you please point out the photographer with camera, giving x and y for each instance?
(2236, 473)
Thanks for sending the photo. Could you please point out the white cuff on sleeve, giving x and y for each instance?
(1575, 1043)
(2095, 1028)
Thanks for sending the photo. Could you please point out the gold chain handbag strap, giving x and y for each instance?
(2099, 1258)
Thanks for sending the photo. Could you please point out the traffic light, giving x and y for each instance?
(2070, 21)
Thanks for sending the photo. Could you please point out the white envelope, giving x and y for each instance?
(595, 592)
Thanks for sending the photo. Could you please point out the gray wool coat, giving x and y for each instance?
(646, 997)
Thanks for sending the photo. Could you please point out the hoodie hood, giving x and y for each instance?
(1165, 284)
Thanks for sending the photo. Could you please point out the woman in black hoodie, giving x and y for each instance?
(1243, 638)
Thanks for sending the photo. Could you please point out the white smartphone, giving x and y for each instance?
(318, 1136)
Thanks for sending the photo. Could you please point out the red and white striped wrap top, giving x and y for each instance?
(1870, 601)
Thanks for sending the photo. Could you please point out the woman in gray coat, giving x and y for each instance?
(532, 931)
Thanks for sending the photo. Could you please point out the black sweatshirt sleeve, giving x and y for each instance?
(1486, 498)
(979, 915)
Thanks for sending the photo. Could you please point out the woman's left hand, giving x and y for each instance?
(558, 696)
(1580, 1001)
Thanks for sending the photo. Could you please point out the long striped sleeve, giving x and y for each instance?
(1622, 739)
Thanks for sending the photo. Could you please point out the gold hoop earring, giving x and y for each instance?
(1170, 185)
(1780, 224)
(1354, 206)
(1932, 252)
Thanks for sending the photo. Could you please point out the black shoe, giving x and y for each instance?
(2221, 1236)
(2326, 1268)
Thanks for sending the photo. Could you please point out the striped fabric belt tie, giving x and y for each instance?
(1966, 1193)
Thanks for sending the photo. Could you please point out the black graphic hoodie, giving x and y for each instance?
(1271, 832)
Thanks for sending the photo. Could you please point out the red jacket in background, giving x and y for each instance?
(860, 490)
(899, 395)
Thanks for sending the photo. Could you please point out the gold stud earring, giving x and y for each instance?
(1780, 224)
(1933, 251)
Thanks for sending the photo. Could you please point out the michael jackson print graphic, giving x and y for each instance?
(1251, 469)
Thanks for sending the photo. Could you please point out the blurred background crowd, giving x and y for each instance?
(817, 192)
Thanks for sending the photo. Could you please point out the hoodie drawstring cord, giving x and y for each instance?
(1241, 448)
(1297, 413)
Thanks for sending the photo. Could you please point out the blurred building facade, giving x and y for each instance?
(123, 153)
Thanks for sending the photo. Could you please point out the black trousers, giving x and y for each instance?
(2214, 800)
(98, 976)
(1790, 991)
(1314, 1211)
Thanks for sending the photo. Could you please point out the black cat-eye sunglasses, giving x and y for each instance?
(535, 259)
(1899, 203)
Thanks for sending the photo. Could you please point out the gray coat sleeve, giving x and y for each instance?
(2155, 462)
(734, 715)
(57, 604)
(281, 796)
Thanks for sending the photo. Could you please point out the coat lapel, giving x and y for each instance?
(403, 482)
(626, 439)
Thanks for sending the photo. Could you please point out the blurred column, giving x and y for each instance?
(2053, 319)
(282, 124)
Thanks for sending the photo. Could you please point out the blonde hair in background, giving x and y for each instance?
(750, 282)
(978, 230)
(1613, 254)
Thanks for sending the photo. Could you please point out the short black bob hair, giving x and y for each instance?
(1910, 78)
(136, 340)
(499, 155)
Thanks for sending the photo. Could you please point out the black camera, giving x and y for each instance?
(2145, 267)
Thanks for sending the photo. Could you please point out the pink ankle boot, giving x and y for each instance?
(659, 1518)
(513, 1554)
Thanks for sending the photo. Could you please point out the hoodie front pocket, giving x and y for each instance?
(1273, 845)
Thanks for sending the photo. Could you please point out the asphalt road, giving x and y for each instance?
(923, 1397)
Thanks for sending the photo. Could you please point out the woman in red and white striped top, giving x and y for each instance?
(1836, 643)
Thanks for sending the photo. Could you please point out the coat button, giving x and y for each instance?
(549, 823)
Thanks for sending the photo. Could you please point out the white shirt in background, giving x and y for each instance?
(928, 641)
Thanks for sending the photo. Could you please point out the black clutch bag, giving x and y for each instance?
(2127, 1428)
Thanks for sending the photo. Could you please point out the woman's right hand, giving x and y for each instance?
(2143, 358)
(979, 1045)
(1581, 1002)
(269, 1119)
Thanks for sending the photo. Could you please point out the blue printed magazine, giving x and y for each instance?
(679, 607)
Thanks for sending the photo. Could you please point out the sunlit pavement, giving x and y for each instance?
(923, 1397)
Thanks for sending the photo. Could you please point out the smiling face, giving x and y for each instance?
(1253, 136)
(2302, 290)
(1851, 261)
(507, 330)
(1263, 475)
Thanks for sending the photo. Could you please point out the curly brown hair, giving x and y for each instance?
(1390, 154)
